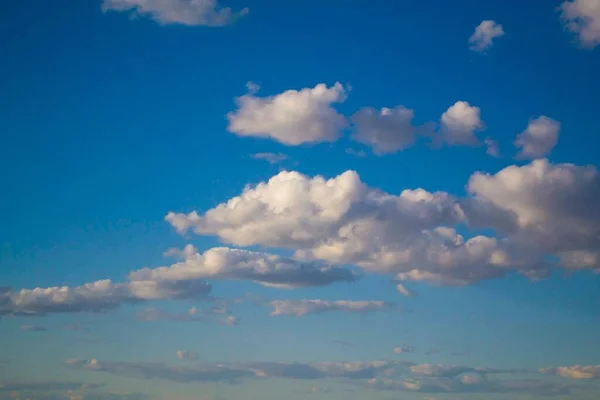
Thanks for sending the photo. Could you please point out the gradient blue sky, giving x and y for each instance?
(108, 122)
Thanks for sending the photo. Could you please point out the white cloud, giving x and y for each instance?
(299, 308)
(402, 289)
(188, 251)
(186, 355)
(575, 371)
(484, 35)
(386, 131)
(271, 158)
(582, 17)
(292, 117)
(537, 210)
(183, 12)
(459, 124)
(539, 138)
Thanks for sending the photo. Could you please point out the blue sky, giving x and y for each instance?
(117, 113)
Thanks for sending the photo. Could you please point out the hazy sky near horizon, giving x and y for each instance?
(251, 199)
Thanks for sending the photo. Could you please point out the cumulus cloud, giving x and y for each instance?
(459, 124)
(537, 210)
(484, 35)
(575, 371)
(182, 12)
(187, 355)
(386, 131)
(292, 117)
(539, 138)
(271, 158)
(582, 17)
(299, 308)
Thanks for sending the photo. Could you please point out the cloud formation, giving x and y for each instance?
(182, 12)
(293, 117)
(299, 308)
(484, 35)
(537, 210)
(582, 17)
(538, 139)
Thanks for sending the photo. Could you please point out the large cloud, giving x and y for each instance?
(292, 117)
(537, 210)
(183, 12)
(582, 17)
(183, 280)
(539, 138)
(299, 308)
(484, 35)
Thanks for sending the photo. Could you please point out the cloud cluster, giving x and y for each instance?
(182, 280)
(582, 17)
(484, 35)
(539, 210)
(380, 375)
(539, 138)
(271, 158)
(183, 12)
(299, 308)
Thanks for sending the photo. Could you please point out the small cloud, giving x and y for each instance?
(492, 147)
(403, 290)
(33, 328)
(186, 355)
(356, 153)
(300, 308)
(181, 12)
(403, 349)
(271, 158)
(484, 35)
(292, 117)
(538, 140)
(574, 371)
(459, 124)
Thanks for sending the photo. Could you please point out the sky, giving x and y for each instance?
(257, 199)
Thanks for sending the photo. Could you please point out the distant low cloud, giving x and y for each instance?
(186, 355)
(33, 328)
(538, 140)
(575, 371)
(299, 308)
(292, 117)
(483, 37)
(181, 281)
(193, 315)
(182, 12)
(403, 349)
(44, 386)
(582, 17)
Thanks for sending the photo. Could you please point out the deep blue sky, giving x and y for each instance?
(108, 122)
